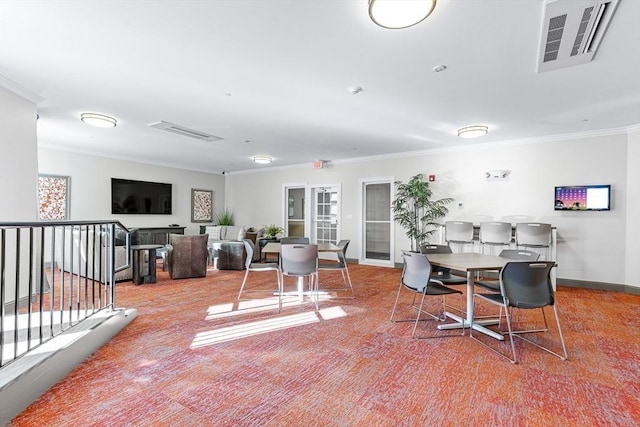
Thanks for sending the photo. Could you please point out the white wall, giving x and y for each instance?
(632, 247)
(591, 245)
(18, 165)
(91, 187)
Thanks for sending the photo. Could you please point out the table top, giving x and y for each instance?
(468, 261)
(274, 248)
(145, 247)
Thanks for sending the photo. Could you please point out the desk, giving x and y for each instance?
(470, 263)
(138, 263)
(274, 248)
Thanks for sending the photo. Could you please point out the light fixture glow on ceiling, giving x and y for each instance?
(397, 14)
(262, 160)
(99, 120)
(472, 131)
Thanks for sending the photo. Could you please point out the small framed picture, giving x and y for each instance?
(53, 197)
(201, 205)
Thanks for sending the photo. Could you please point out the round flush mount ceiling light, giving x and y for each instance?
(472, 131)
(99, 120)
(397, 14)
(262, 160)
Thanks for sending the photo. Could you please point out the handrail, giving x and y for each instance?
(54, 275)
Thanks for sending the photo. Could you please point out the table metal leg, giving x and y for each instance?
(478, 325)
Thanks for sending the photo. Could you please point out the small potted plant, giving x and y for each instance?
(271, 231)
(225, 217)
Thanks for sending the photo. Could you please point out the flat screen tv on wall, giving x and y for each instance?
(140, 197)
(583, 198)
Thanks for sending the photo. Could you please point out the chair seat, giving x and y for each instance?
(449, 279)
(256, 266)
(489, 285)
(436, 288)
(330, 265)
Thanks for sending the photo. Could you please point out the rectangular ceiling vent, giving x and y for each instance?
(572, 31)
(181, 130)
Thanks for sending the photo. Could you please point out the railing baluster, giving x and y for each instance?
(16, 297)
(30, 290)
(3, 237)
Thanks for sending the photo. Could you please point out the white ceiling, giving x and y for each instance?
(272, 77)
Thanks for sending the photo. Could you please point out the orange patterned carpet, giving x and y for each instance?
(195, 356)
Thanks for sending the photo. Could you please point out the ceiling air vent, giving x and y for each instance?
(572, 31)
(181, 130)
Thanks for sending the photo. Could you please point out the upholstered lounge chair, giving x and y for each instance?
(187, 256)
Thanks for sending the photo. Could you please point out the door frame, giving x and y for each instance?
(362, 256)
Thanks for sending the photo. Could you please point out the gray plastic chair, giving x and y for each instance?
(524, 285)
(338, 263)
(495, 234)
(459, 233)
(300, 260)
(514, 254)
(259, 267)
(416, 277)
(536, 235)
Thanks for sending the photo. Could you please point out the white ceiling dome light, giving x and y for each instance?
(397, 14)
(262, 160)
(475, 131)
(98, 120)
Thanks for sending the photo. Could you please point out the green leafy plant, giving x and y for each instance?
(225, 217)
(414, 210)
(271, 231)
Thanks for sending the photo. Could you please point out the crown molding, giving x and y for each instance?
(20, 90)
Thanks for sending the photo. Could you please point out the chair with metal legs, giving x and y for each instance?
(514, 254)
(337, 261)
(524, 285)
(301, 261)
(534, 235)
(259, 267)
(459, 233)
(416, 275)
(494, 234)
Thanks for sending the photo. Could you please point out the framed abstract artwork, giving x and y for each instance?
(53, 197)
(201, 205)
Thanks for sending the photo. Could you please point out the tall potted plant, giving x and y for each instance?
(414, 210)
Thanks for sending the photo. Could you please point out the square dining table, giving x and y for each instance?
(470, 263)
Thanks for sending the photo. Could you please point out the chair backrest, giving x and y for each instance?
(188, 256)
(249, 247)
(527, 284)
(415, 271)
(343, 244)
(298, 259)
(342, 255)
(495, 232)
(435, 249)
(294, 239)
(520, 255)
(534, 234)
(458, 231)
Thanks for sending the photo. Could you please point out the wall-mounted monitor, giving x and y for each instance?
(140, 197)
(583, 198)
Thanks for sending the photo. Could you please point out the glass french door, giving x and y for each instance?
(377, 229)
(294, 211)
(325, 214)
